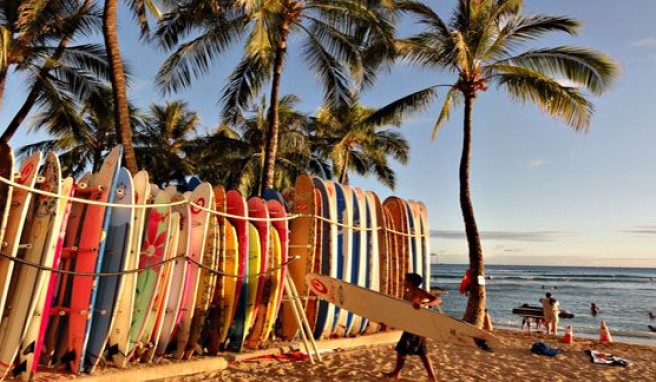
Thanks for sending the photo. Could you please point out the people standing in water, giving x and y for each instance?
(550, 307)
(594, 309)
(652, 316)
(412, 344)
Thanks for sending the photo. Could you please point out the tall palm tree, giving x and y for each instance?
(360, 143)
(484, 45)
(118, 79)
(165, 139)
(35, 38)
(334, 31)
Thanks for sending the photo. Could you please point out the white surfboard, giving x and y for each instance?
(399, 314)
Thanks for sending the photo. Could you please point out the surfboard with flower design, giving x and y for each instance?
(153, 250)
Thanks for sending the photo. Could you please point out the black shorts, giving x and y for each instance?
(411, 344)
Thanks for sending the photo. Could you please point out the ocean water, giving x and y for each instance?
(625, 296)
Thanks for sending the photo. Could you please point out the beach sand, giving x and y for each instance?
(513, 362)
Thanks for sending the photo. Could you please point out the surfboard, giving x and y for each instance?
(119, 335)
(18, 212)
(379, 231)
(301, 249)
(212, 326)
(6, 172)
(30, 347)
(246, 306)
(397, 229)
(87, 255)
(230, 280)
(119, 240)
(278, 213)
(237, 210)
(425, 242)
(257, 210)
(154, 326)
(40, 237)
(272, 291)
(344, 248)
(179, 281)
(154, 248)
(313, 302)
(207, 281)
(201, 196)
(356, 255)
(373, 252)
(400, 314)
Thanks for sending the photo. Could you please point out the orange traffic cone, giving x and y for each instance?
(568, 338)
(604, 333)
(487, 322)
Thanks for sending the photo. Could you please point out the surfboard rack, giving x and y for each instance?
(301, 319)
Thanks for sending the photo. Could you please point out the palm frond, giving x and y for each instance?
(559, 101)
(332, 74)
(584, 67)
(452, 96)
(243, 85)
(403, 107)
(425, 16)
(193, 58)
(521, 29)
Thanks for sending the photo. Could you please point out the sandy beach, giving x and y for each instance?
(513, 362)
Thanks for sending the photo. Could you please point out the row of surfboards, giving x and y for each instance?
(210, 263)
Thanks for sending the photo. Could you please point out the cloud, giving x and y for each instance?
(644, 42)
(642, 231)
(530, 236)
(536, 163)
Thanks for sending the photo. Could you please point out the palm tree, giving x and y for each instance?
(164, 141)
(361, 143)
(57, 74)
(117, 70)
(82, 136)
(480, 44)
(233, 156)
(335, 33)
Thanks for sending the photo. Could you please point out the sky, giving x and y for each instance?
(542, 193)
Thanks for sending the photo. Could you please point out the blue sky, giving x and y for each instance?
(542, 193)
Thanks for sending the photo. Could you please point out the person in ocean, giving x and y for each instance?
(550, 307)
(652, 316)
(594, 309)
(412, 344)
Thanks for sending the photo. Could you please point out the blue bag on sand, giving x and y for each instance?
(544, 349)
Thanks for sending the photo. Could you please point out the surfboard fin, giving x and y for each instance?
(482, 344)
(18, 370)
(112, 350)
(68, 357)
(29, 349)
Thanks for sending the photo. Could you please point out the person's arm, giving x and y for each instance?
(426, 299)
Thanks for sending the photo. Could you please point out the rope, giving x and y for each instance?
(137, 270)
(209, 210)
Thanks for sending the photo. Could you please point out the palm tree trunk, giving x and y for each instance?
(476, 303)
(269, 168)
(119, 93)
(3, 81)
(343, 176)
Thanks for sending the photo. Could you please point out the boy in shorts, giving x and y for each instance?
(412, 344)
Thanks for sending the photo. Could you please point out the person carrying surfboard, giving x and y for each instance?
(412, 344)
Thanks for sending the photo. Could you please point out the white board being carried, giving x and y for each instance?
(399, 314)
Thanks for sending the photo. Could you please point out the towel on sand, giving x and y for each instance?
(607, 359)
